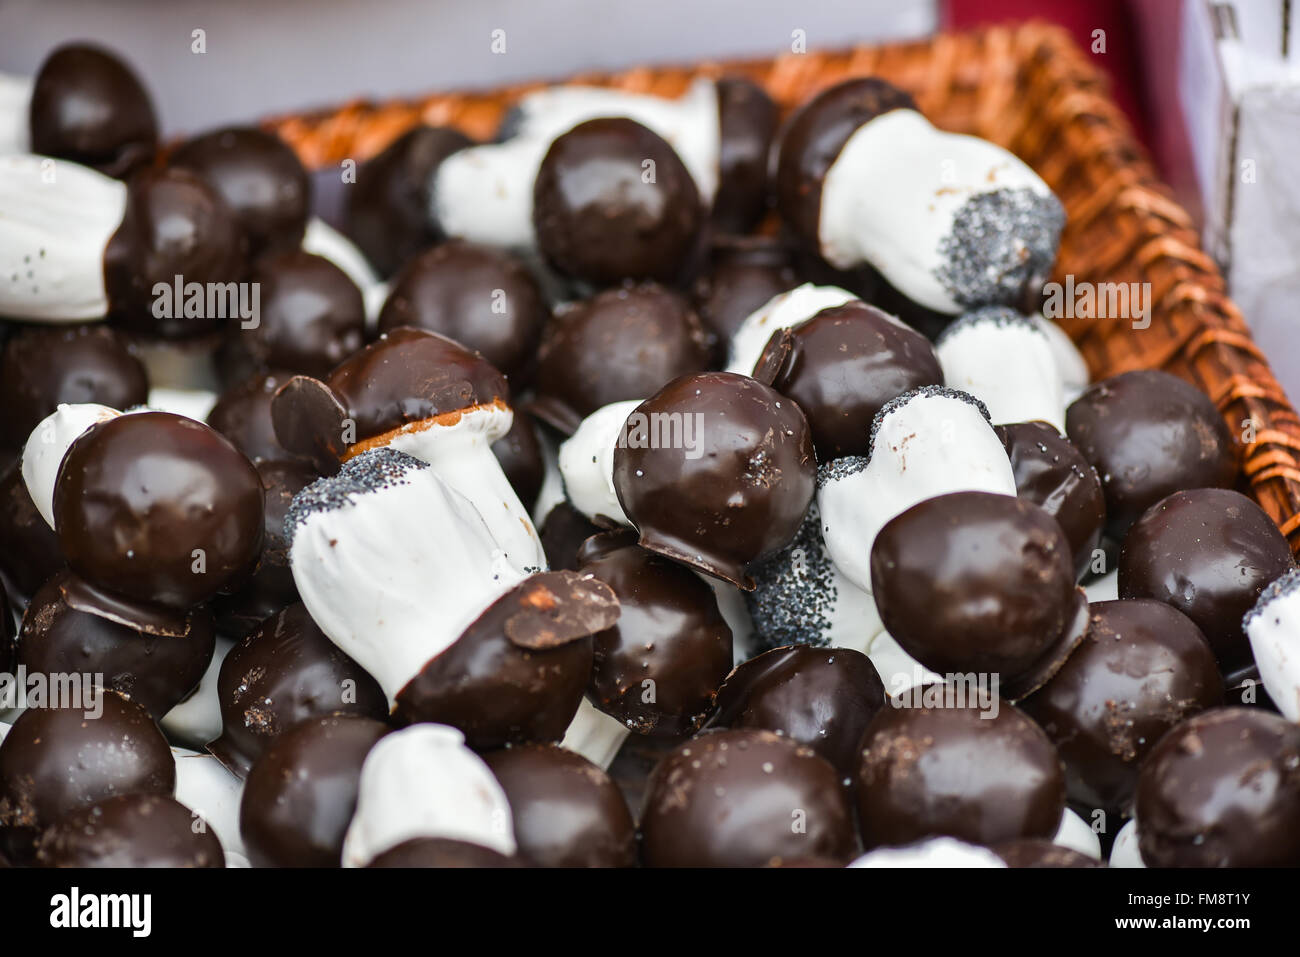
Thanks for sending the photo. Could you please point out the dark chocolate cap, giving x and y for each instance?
(131, 830)
(421, 852)
(1149, 434)
(387, 210)
(283, 672)
(841, 367)
(620, 344)
(175, 225)
(518, 672)
(744, 798)
(743, 273)
(1142, 668)
(64, 633)
(812, 139)
(260, 179)
(311, 317)
(57, 760)
(566, 811)
(978, 582)
(1222, 789)
(89, 107)
(158, 508)
(655, 670)
(736, 492)
(822, 698)
(957, 771)
(243, 415)
(613, 201)
(1209, 552)
(45, 367)
(747, 119)
(482, 297)
(29, 549)
(1051, 473)
(301, 792)
(1037, 852)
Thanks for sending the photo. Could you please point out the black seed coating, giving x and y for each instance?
(794, 594)
(1278, 588)
(368, 472)
(1001, 242)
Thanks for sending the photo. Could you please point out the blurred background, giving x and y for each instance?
(1212, 89)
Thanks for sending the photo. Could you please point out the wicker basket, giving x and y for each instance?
(1030, 89)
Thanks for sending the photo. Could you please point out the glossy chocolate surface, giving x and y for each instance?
(300, 794)
(1142, 668)
(45, 367)
(657, 669)
(732, 799)
(620, 344)
(442, 852)
(1222, 790)
(978, 582)
(131, 830)
(566, 811)
(175, 225)
(812, 139)
(243, 415)
(742, 275)
(283, 672)
(29, 549)
(89, 107)
(409, 375)
(748, 121)
(260, 179)
(57, 760)
(1209, 553)
(819, 697)
(739, 494)
(1149, 434)
(520, 454)
(597, 217)
(311, 318)
(957, 771)
(155, 671)
(483, 298)
(562, 533)
(841, 366)
(514, 676)
(388, 206)
(158, 508)
(1051, 473)
(271, 587)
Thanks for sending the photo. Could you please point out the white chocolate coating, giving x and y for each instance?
(1007, 365)
(1075, 834)
(1125, 852)
(197, 719)
(935, 852)
(1273, 628)
(893, 193)
(586, 461)
(930, 445)
(56, 219)
(49, 443)
(462, 456)
(322, 239)
(485, 193)
(395, 575)
(780, 312)
(423, 782)
(595, 735)
(206, 787)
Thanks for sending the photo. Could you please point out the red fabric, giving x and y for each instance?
(1081, 17)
